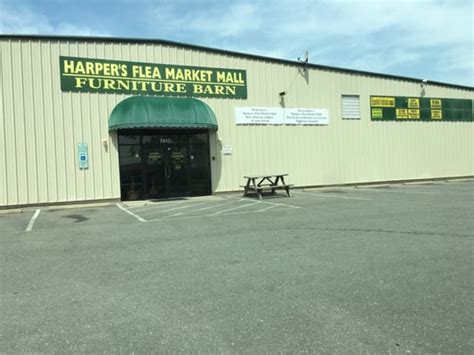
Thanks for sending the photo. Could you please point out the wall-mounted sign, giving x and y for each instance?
(227, 150)
(306, 116)
(259, 115)
(280, 116)
(401, 108)
(107, 76)
(82, 156)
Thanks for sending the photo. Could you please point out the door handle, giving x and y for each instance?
(167, 172)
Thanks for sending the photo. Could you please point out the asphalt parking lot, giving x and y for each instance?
(382, 269)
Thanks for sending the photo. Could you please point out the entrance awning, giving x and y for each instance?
(161, 112)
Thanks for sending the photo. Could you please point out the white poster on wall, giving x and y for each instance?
(227, 150)
(259, 115)
(306, 116)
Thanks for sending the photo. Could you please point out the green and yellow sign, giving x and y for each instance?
(402, 108)
(120, 77)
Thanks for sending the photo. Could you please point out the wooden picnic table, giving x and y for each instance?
(272, 182)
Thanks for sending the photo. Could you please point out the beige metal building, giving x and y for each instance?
(84, 119)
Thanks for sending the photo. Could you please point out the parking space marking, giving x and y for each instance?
(159, 205)
(30, 225)
(333, 196)
(130, 213)
(279, 204)
(176, 217)
(231, 209)
(173, 209)
(269, 203)
(218, 205)
(267, 208)
(373, 189)
(183, 209)
(226, 212)
(260, 210)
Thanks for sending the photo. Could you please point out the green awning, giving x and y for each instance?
(161, 112)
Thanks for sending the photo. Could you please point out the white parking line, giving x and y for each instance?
(373, 189)
(180, 216)
(159, 205)
(231, 209)
(267, 208)
(175, 215)
(130, 213)
(255, 211)
(278, 204)
(172, 209)
(263, 201)
(29, 227)
(334, 196)
(218, 205)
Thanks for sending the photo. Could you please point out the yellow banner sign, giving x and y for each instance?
(412, 108)
(414, 103)
(435, 103)
(414, 114)
(377, 113)
(402, 113)
(382, 101)
(436, 114)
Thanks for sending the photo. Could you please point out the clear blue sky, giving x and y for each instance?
(426, 39)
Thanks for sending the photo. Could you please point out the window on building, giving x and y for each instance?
(350, 107)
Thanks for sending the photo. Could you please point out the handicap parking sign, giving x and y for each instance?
(83, 156)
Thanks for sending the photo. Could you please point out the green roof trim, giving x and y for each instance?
(161, 112)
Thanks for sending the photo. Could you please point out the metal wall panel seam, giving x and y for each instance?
(59, 124)
(34, 139)
(21, 151)
(44, 158)
(79, 137)
(85, 138)
(3, 153)
(35, 115)
(71, 147)
(103, 51)
(63, 100)
(96, 133)
(49, 133)
(108, 51)
(12, 139)
(86, 180)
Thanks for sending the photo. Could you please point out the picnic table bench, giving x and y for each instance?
(272, 182)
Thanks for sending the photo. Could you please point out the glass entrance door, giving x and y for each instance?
(157, 164)
(166, 172)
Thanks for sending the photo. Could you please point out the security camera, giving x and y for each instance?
(425, 81)
(282, 93)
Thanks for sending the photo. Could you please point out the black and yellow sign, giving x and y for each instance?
(402, 113)
(414, 114)
(376, 101)
(435, 103)
(413, 103)
(436, 114)
(107, 76)
(401, 108)
(377, 113)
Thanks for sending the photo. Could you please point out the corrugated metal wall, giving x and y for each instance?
(40, 126)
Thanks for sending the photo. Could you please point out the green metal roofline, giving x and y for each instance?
(161, 112)
(222, 51)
